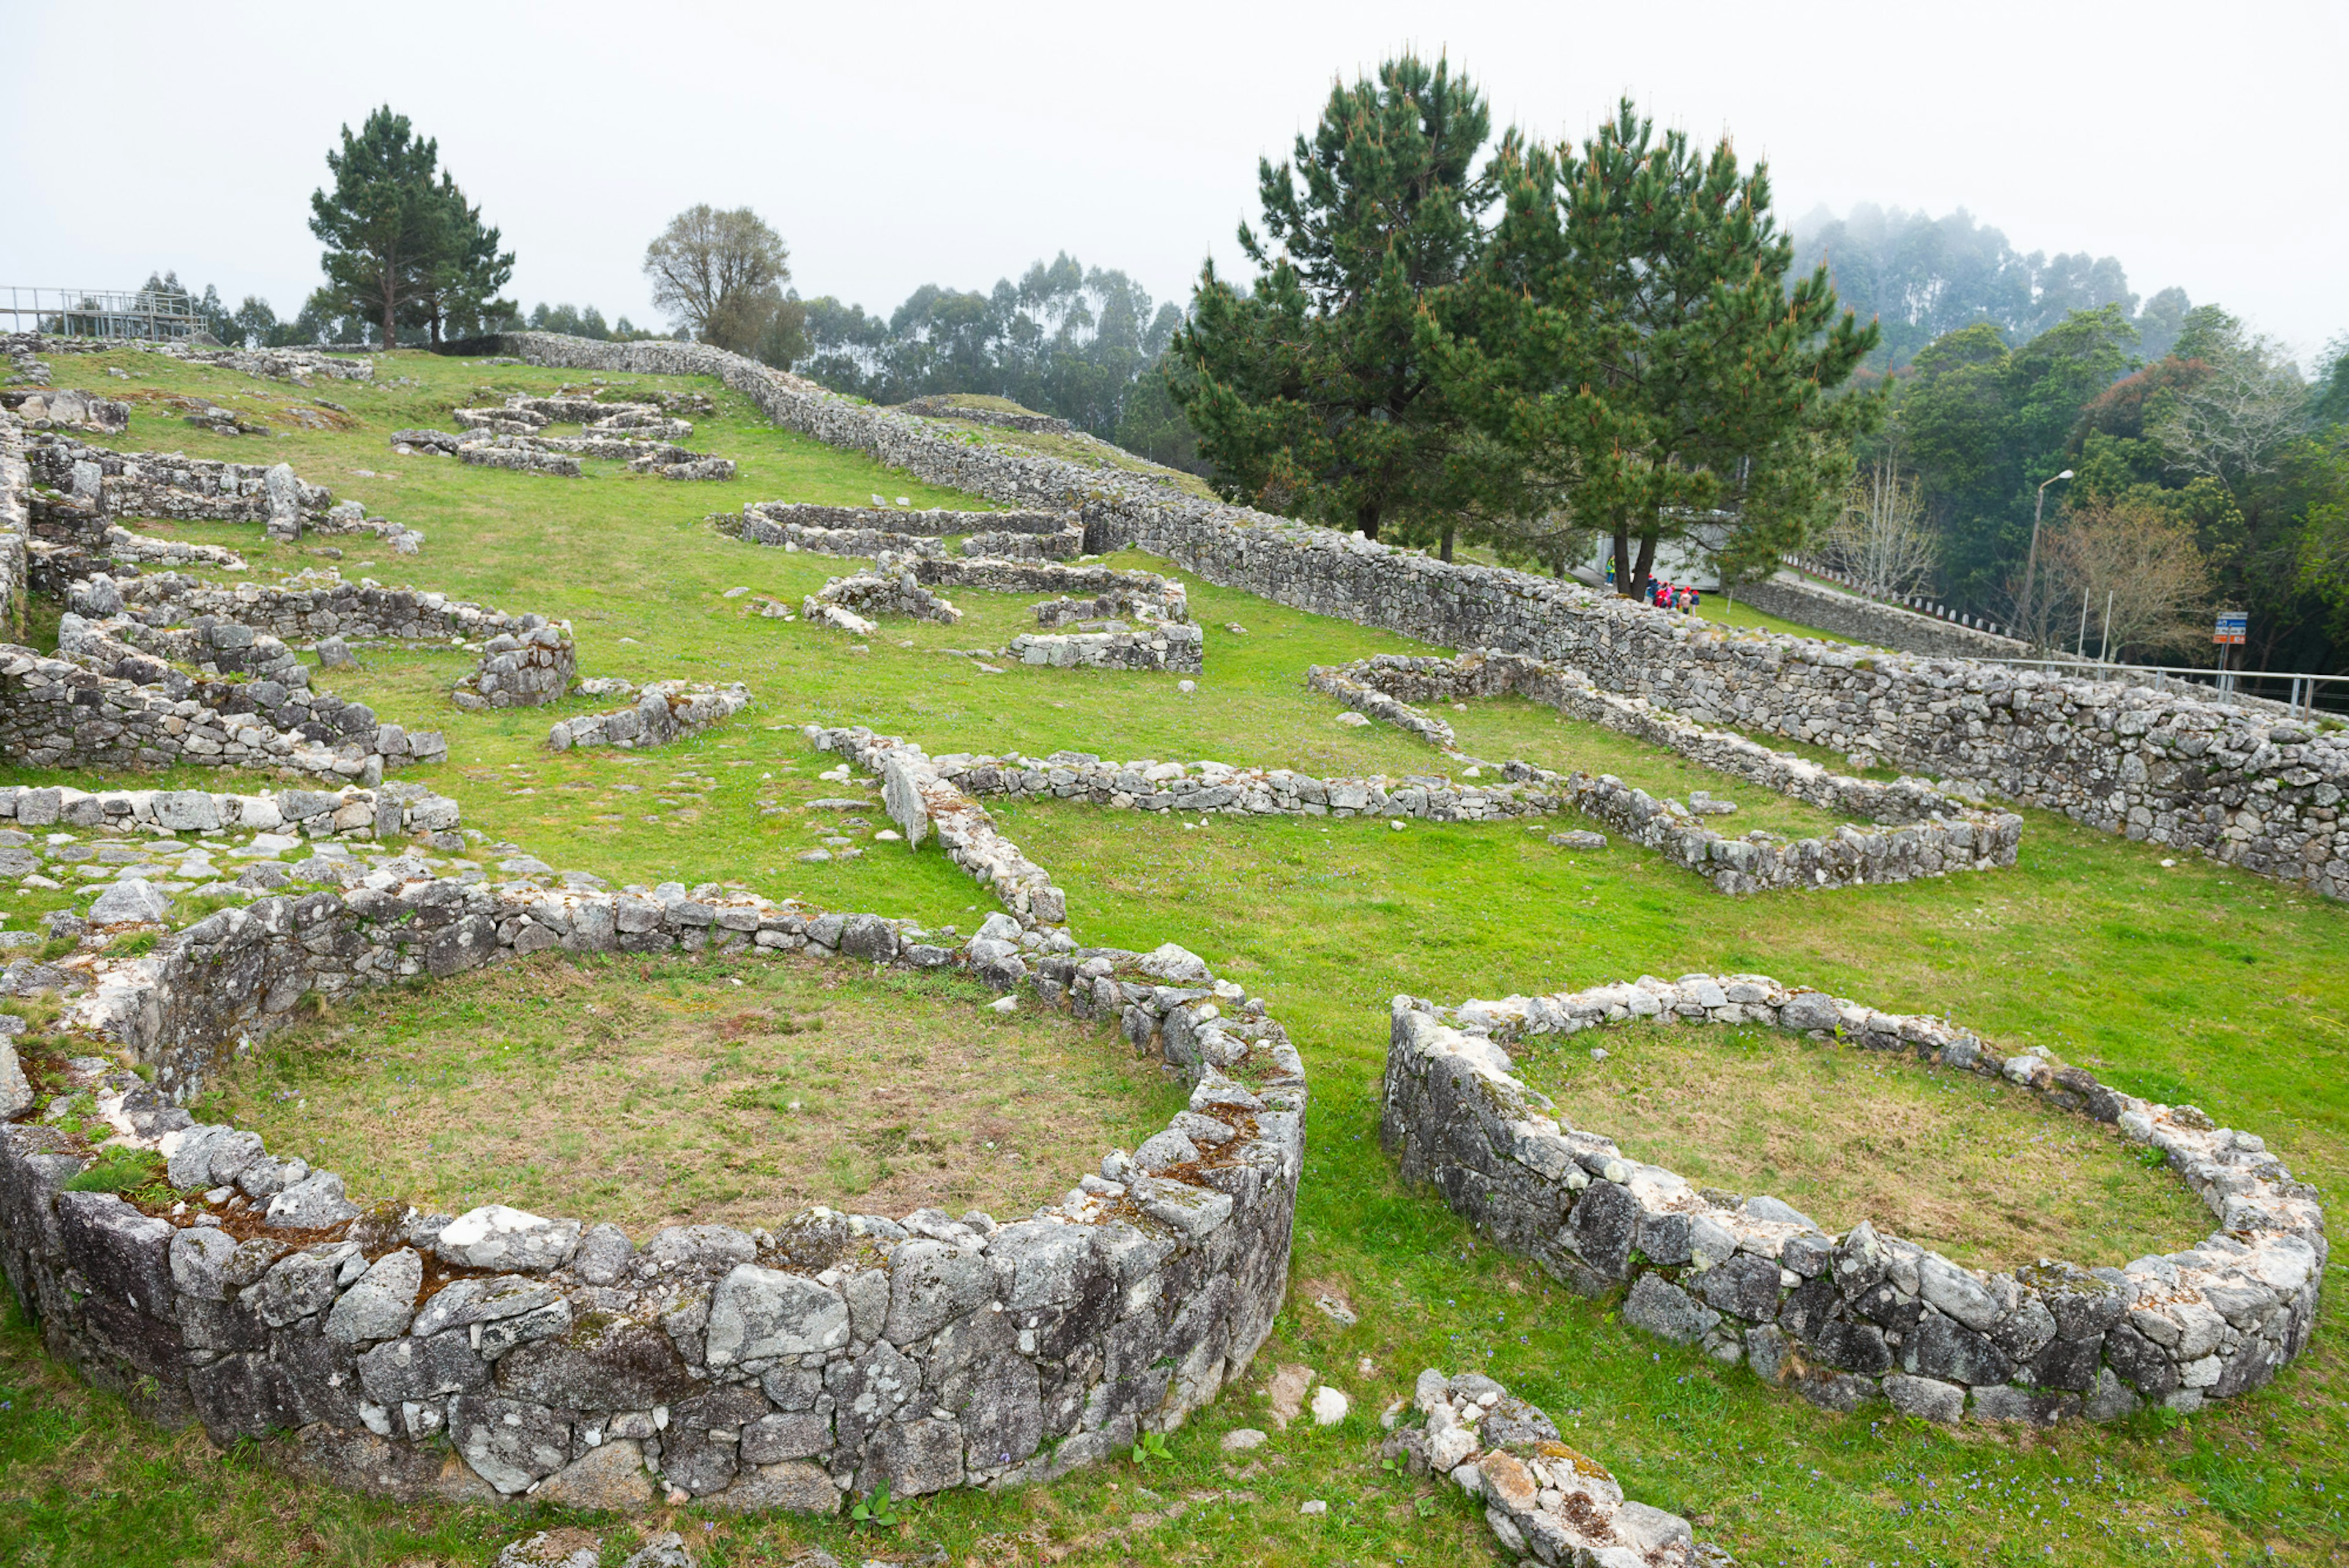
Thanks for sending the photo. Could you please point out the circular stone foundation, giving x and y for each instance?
(1849, 1318)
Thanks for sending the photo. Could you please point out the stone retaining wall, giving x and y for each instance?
(312, 611)
(2159, 766)
(761, 1370)
(1846, 1319)
(665, 710)
(1879, 624)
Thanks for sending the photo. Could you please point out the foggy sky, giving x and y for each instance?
(899, 144)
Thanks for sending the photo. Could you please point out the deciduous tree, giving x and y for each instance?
(720, 274)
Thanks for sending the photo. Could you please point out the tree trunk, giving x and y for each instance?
(1623, 559)
(1366, 518)
(1444, 548)
(1647, 562)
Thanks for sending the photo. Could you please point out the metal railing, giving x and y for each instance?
(150, 314)
(2301, 686)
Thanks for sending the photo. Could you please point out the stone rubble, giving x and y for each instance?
(533, 664)
(1542, 1498)
(1862, 1316)
(64, 408)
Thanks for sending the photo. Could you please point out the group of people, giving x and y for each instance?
(1665, 595)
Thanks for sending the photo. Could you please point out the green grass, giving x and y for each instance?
(682, 1091)
(2196, 977)
(1981, 1171)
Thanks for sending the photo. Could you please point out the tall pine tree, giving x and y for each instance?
(1312, 394)
(382, 224)
(1633, 355)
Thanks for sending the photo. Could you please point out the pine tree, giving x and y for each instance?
(458, 283)
(384, 221)
(1632, 355)
(1312, 394)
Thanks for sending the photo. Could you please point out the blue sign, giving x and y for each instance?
(2233, 625)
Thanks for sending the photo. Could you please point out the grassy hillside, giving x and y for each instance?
(2181, 982)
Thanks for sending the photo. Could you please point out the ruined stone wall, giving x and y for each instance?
(1967, 840)
(58, 714)
(385, 812)
(2164, 766)
(356, 612)
(167, 484)
(1155, 645)
(930, 523)
(1384, 686)
(665, 710)
(1860, 1317)
(15, 523)
(501, 1354)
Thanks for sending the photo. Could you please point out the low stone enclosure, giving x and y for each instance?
(295, 365)
(1970, 840)
(1880, 625)
(1932, 832)
(899, 585)
(641, 434)
(502, 1354)
(876, 531)
(1542, 1499)
(1847, 1319)
(664, 710)
(526, 659)
(2163, 766)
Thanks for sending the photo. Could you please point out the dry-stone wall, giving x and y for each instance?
(528, 667)
(1879, 624)
(15, 522)
(1967, 840)
(64, 408)
(795, 536)
(1155, 645)
(502, 1354)
(1064, 544)
(665, 710)
(890, 588)
(56, 714)
(639, 433)
(2159, 766)
(1845, 1319)
(930, 523)
(167, 484)
(1542, 1499)
(386, 812)
(295, 365)
(1386, 684)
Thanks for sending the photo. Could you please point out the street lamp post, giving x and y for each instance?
(2031, 567)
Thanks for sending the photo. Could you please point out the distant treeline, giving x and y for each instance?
(1920, 277)
(1083, 346)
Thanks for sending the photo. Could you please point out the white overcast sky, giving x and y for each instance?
(896, 144)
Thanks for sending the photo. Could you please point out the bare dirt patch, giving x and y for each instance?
(673, 1090)
(1985, 1174)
